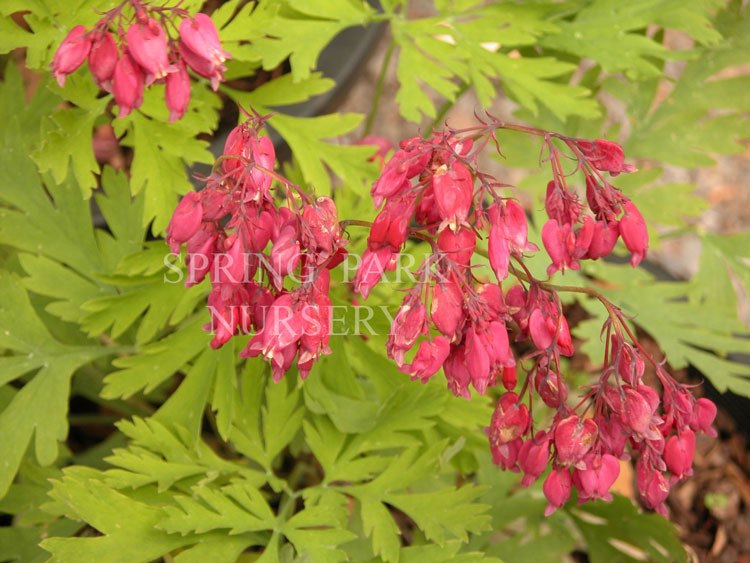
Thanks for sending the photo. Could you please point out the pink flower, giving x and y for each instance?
(456, 372)
(103, 59)
(185, 222)
(383, 145)
(409, 323)
(703, 416)
(638, 414)
(391, 226)
(506, 455)
(230, 266)
(200, 253)
(147, 43)
(565, 246)
(317, 318)
(551, 388)
(228, 313)
(477, 360)
(429, 359)
(603, 240)
(509, 378)
(199, 34)
(612, 436)
(285, 253)
(574, 437)
(454, 191)
(177, 92)
(458, 245)
(679, 452)
(533, 457)
(634, 233)
(653, 487)
(127, 85)
(446, 310)
(202, 65)
(597, 477)
(392, 181)
(557, 488)
(498, 250)
(71, 53)
(374, 263)
(606, 156)
(510, 420)
(321, 232)
(630, 365)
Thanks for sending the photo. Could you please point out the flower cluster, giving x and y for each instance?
(584, 444)
(250, 247)
(141, 51)
(431, 190)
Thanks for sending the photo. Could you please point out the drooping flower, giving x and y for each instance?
(177, 92)
(127, 85)
(71, 53)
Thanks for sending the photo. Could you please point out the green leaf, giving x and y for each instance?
(39, 409)
(156, 362)
(161, 153)
(378, 525)
(690, 125)
(316, 531)
(67, 136)
(617, 531)
(163, 455)
(122, 521)
(238, 508)
(591, 32)
(301, 31)
(449, 511)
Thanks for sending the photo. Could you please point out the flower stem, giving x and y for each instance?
(379, 89)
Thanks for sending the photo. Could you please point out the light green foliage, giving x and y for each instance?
(446, 50)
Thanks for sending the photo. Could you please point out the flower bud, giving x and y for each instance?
(634, 233)
(509, 378)
(147, 44)
(429, 358)
(456, 372)
(446, 310)
(606, 156)
(703, 417)
(678, 453)
(653, 487)
(533, 457)
(374, 263)
(454, 191)
(177, 92)
(551, 387)
(71, 53)
(185, 222)
(103, 59)
(199, 34)
(556, 489)
(603, 240)
(127, 85)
